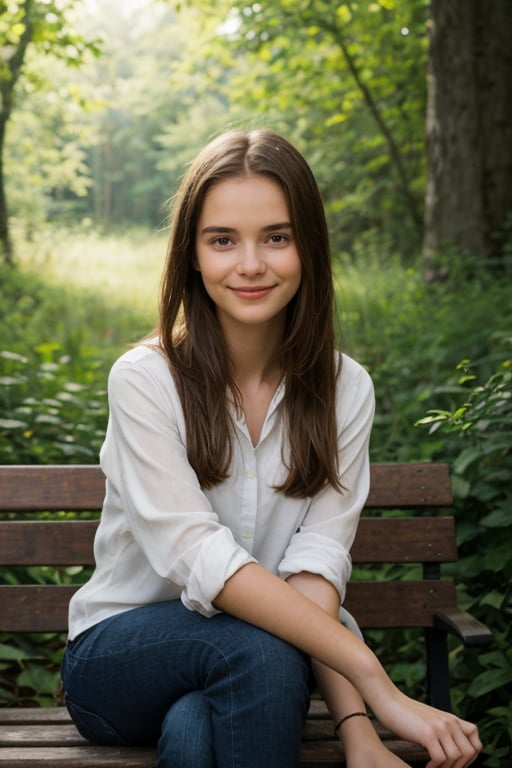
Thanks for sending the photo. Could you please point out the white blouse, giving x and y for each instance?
(162, 537)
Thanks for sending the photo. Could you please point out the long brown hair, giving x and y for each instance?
(191, 337)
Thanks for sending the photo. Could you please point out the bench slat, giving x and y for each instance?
(77, 757)
(64, 735)
(77, 487)
(34, 715)
(405, 540)
(47, 488)
(36, 608)
(46, 542)
(379, 540)
(409, 485)
(388, 604)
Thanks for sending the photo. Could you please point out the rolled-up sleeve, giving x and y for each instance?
(322, 543)
(169, 517)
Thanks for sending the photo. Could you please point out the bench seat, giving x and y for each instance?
(28, 736)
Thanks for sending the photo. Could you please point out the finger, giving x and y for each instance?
(462, 745)
(467, 741)
(471, 731)
(449, 747)
(435, 750)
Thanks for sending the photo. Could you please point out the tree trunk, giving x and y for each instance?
(14, 65)
(469, 131)
(6, 250)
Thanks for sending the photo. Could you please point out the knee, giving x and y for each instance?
(186, 739)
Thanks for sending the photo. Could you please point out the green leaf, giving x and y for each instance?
(39, 679)
(460, 486)
(12, 424)
(497, 519)
(495, 599)
(466, 458)
(490, 680)
(11, 653)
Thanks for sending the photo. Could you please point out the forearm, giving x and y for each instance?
(258, 597)
(339, 694)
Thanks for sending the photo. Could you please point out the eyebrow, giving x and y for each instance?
(214, 228)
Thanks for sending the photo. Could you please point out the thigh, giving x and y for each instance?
(122, 677)
(126, 672)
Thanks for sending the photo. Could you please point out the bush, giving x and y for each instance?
(478, 440)
(58, 345)
(48, 416)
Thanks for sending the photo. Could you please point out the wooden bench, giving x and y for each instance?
(35, 737)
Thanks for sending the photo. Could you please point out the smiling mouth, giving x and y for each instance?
(252, 292)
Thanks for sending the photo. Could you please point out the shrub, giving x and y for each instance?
(48, 416)
(478, 439)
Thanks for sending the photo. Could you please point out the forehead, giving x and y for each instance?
(246, 198)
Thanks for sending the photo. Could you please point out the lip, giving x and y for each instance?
(251, 293)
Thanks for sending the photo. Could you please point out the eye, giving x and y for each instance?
(278, 239)
(222, 242)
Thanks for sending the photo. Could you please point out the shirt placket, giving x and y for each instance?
(248, 512)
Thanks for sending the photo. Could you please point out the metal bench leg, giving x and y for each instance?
(438, 673)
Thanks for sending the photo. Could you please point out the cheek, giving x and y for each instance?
(295, 270)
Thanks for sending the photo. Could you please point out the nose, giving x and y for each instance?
(250, 261)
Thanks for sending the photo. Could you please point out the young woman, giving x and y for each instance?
(236, 459)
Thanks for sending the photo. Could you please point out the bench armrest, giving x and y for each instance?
(469, 630)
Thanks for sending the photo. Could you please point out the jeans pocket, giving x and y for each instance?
(93, 727)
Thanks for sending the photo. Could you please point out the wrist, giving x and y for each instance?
(345, 719)
(358, 736)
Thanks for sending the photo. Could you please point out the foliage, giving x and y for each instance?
(47, 174)
(50, 28)
(346, 82)
(478, 438)
(48, 417)
(110, 141)
(30, 663)
(46, 26)
(53, 371)
(29, 670)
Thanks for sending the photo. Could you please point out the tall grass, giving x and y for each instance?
(120, 270)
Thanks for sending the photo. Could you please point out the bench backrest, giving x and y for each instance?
(52, 540)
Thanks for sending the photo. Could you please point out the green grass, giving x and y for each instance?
(121, 269)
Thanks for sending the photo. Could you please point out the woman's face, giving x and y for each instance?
(246, 253)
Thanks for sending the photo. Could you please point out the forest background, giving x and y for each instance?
(404, 110)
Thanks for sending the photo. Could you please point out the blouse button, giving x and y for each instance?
(250, 473)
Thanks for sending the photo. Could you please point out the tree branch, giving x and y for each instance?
(394, 151)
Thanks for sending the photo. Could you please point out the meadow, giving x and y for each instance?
(438, 353)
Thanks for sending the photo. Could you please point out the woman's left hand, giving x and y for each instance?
(450, 741)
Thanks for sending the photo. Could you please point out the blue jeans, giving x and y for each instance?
(212, 693)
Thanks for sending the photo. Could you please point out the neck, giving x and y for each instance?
(255, 353)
